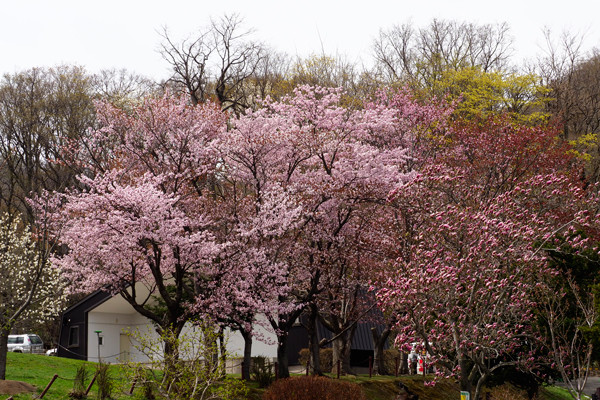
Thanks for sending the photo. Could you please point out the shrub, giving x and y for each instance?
(325, 356)
(147, 392)
(200, 376)
(389, 357)
(104, 381)
(261, 371)
(313, 388)
(78, 391)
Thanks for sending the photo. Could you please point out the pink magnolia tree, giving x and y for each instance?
(568, 304)
(468, 234)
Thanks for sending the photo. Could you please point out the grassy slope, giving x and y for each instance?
(38, 371)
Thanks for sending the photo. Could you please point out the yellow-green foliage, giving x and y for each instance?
(587, 148)
(479, 93)
(586, 145)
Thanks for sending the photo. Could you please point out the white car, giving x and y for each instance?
(27, 343)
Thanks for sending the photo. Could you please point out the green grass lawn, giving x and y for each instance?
(38, 370)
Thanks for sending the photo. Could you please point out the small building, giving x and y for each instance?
(100, 326)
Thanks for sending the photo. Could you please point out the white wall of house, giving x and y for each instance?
(116, 343)
(264, 342)
(121, 326)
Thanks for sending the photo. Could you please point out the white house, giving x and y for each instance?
(106, 327)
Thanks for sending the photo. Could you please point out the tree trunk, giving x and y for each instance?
(247, 353)
(479, 386)
(403, 363)
(379, 341)
(282, 355)
(341, 351)
(171, 357)
(283, 326)
(4, 332)
(313, 342)
(464, 382)
(222, 353)
(170, 336)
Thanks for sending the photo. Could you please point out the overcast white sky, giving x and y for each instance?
(124, 33)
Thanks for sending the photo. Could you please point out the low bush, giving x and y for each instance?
(105, 381)
(261, 371)
(389, 358)
(78, 391)
(313, 388)
(325, 356)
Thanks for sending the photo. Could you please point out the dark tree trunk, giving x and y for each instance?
(403, 363)
(3, 351)
(247, 353)
(313, 342)
(171, 358)
(341, 352)
(170, 336)
(222, 353)
(464, 381)
(379, 341)
(282, 356)
(283, 326)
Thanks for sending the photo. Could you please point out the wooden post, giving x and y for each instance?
(276, 371)
(91, 383)
(48, 386)
(243, 377)
(307, 366)
(370, 367)
(339, 366)
(397, 365)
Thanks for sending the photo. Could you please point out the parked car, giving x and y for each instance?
(27, 343)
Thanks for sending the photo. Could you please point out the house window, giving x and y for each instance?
(74, 336)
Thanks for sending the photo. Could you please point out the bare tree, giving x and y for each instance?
(271, 71)
(572, 76)
(189, 60)
(220, 62)
(574, 79)
(120, 86)
(418, 56)
(237, 61)
(42, 111)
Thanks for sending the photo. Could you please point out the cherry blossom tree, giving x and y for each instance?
(138, 228)
(164, 223)
(326, 163)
